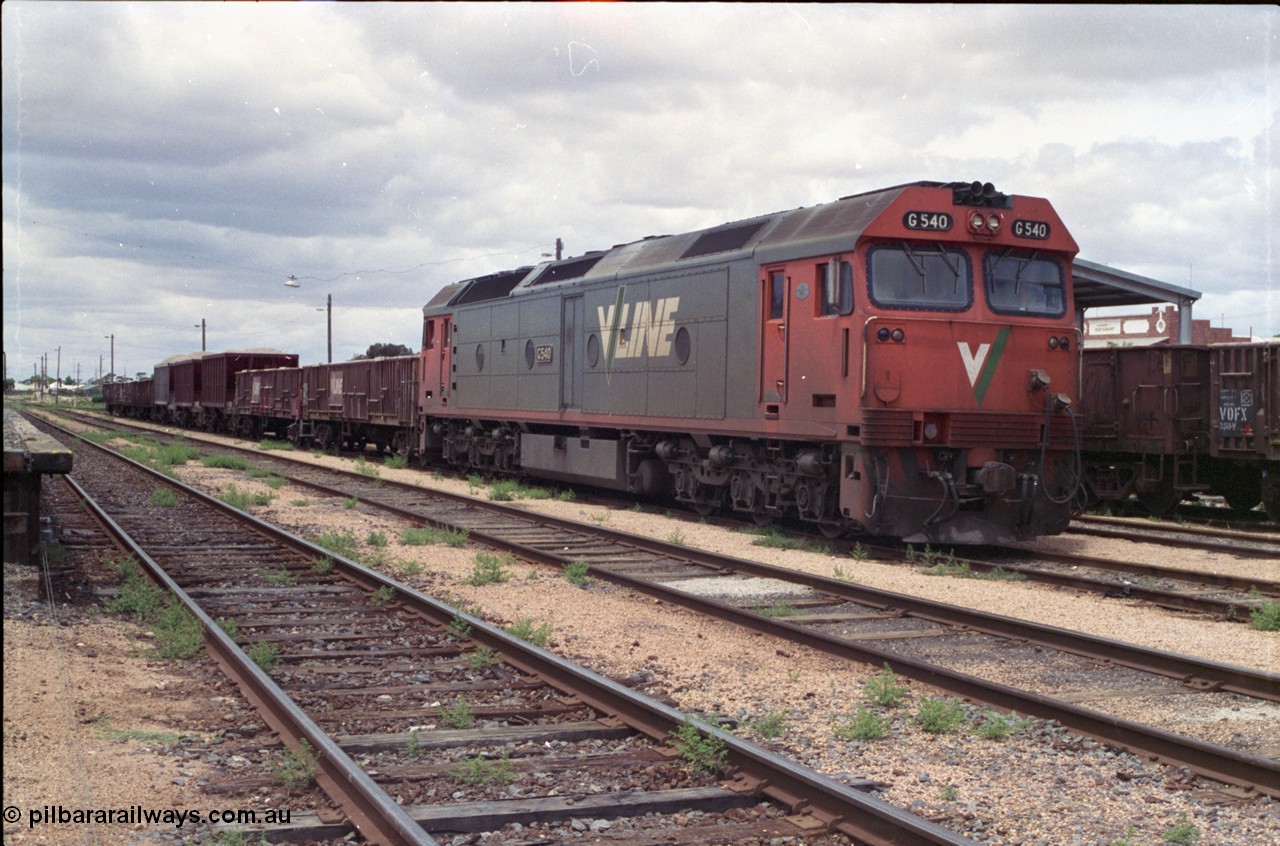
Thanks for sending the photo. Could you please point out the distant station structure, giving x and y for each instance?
(1169, 322)
(29, 455)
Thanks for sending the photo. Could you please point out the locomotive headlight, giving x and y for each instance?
(882, 334)
(898, 336)
(1064, 342)
(1053, 343)
(993, 222)
(930, 431)
(976, 221)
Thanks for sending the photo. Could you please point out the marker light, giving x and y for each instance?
(882, 334)
(898, 336)
(1053, 343)
(1064, 342)
(993, 222)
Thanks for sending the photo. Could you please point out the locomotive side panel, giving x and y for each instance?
(536, 375)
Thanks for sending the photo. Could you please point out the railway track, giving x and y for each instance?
(459, 726)
(920, 639)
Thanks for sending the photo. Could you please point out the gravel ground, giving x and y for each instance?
(1039, 785)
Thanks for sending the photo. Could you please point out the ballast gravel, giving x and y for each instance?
(1039, 785)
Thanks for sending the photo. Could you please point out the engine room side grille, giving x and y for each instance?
(885, 426)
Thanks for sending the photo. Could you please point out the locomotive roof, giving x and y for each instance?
(826, 228)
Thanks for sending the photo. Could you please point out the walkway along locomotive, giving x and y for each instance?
(889, 362)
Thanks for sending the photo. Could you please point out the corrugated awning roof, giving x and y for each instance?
(1097, 285)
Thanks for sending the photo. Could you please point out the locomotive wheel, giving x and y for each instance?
(1242, 492)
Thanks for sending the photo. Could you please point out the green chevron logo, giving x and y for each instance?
(980, 366)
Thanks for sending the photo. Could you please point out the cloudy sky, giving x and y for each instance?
(168, 163)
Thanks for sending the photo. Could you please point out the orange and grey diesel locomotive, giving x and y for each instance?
(899, 362)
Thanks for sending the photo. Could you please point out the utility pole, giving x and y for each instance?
(57, 388)
(202, 346)
(559, 248)
(113, 356)
(331, 328)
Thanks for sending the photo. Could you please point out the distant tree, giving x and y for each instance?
(9, 384)
(141, 375)
(69, 380)
(383, 351)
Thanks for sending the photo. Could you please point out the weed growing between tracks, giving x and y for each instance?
(702, 754)
(179, 634)
(1267, 617)
(480, 770)
(297, 768)
(864, 724)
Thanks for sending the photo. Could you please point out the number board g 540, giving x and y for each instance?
(1034, 229)
(927, 221)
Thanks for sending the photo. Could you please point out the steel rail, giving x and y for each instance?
(833, 806)
(373, 813)
(1223, 764)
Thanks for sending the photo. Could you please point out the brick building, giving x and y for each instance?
(1161, 326)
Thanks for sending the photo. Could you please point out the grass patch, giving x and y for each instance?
(481, 770)
(179, 634)
(340, 543)
(384, 594)
(771, 726)
(150, 738)
(265, 655)
(576, 573)
(1000, 574)
(777, 608)
(395, 462)
(297, 768)
(429, 535)
(268, 444)
(245, 500)
(940, 715)
(350, 502)
(222, 461)
(997, 726)
(482, 657)
(364, 468)
(1184, 833)
(774, 538)
(377, 539)
(1266, 618)
(883, 689)
(163, 497)
(459, 716)
(490, 569)
(864, 724)
(528, 632)
(299, 503)
(280, 578)
(323, 566)
(137, 597)
(700, 753)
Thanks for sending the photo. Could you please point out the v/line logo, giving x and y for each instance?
(980, 365)
(628, 332)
